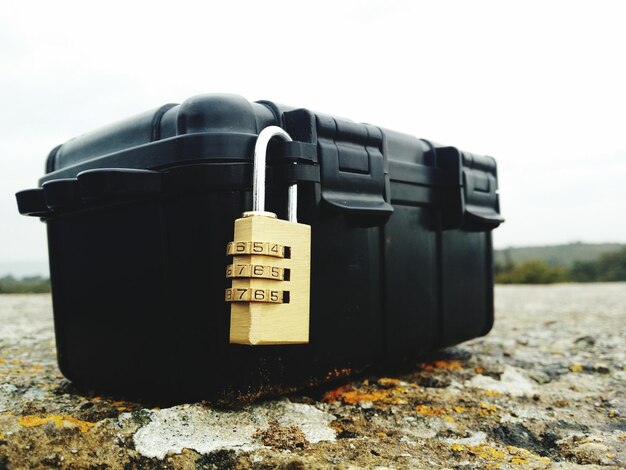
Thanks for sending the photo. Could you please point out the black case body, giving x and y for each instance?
(139, 214)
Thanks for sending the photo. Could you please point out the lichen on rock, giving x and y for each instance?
(545, 389)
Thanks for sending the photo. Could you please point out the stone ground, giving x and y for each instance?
(545, 389)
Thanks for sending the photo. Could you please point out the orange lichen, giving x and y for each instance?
(2, 362)
(388, 382)
(479, 370)
(335, 395)
(58, 420)
(453, 364)
(352, 396)
(122, 405)
(355, 396)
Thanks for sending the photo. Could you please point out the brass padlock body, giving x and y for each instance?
(266, 310)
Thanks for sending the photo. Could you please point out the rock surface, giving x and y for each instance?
(545, 389)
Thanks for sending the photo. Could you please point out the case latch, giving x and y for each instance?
(475, 205)
(353, 174)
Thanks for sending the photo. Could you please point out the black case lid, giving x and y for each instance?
(362, 168)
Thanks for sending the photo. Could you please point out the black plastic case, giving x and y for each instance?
(139, 214)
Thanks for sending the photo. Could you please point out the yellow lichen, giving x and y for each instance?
(427, 410)
(485, 452)
(32, 421)
(487, 410)
(491, 393)
(445, 411)
(482, 451)
(2, 437)
(523, 456)
(58, 420)
(495, 456)
(84, 426)
(576, 367)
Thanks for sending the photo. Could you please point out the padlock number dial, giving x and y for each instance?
(256, 248)
(244, 294)
(257, 270)
(240, 269)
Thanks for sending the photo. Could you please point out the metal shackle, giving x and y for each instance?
(258, 180)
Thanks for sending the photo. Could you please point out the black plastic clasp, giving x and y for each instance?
(473, 204)
(292, 162)
(90, 188)
(32, 202)
(353, 174)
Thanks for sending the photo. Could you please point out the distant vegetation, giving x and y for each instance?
(609, 266)
(25, 285)
(564, 255)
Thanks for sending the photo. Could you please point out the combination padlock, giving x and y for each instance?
(271, 266)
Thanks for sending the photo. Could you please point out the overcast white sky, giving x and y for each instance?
(541, 86)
